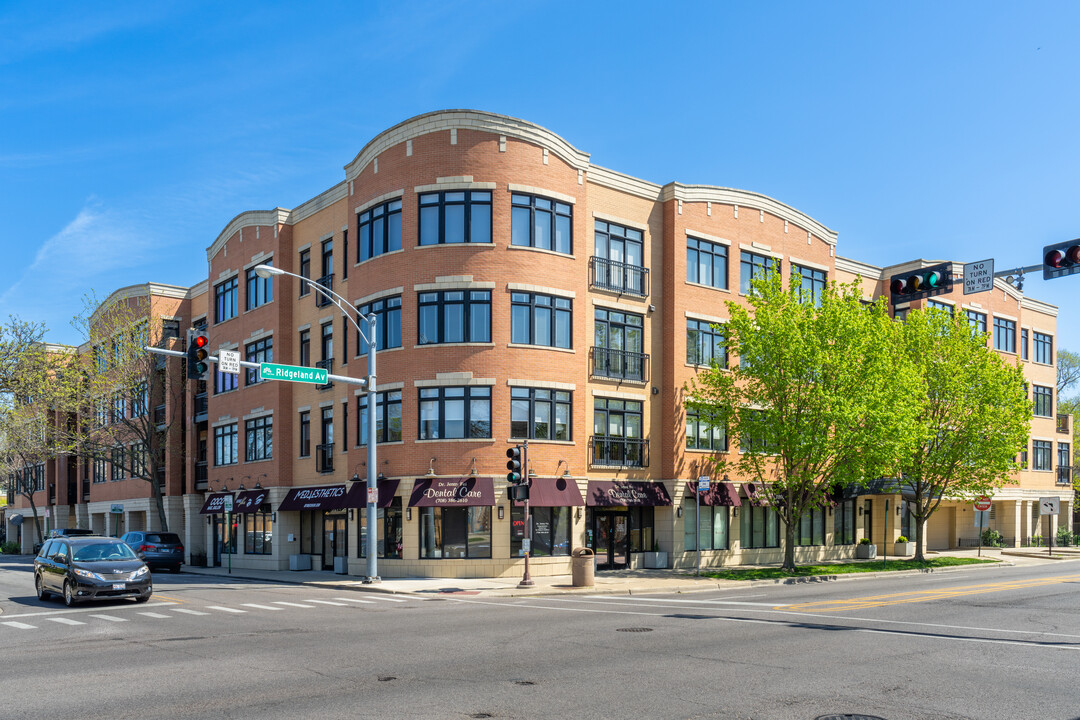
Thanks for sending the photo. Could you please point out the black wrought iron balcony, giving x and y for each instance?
(321, 298)
(613, 451)
(618, 277)
(619, 364)
(324, 457)
(327, 365)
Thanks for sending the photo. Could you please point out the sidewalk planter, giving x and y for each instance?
(656, 560)
(904, 548)
(341, 565)
(866, 552)
(299, 562)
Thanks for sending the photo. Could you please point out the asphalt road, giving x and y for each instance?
(997, 643)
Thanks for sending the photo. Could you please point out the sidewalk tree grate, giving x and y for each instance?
(633, 629)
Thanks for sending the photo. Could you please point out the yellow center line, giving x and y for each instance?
(925, 595)
(167, 598)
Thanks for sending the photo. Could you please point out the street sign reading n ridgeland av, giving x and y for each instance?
(293, 373)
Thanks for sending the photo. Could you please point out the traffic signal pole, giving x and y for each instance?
(526, 579)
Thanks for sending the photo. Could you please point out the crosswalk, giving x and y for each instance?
(166, 609)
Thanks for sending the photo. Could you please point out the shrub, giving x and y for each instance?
(993, 538)
(1064, 536)
(9, 548)
(865, 541)
(901, 539)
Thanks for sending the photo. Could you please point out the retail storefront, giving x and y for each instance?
(620, 520)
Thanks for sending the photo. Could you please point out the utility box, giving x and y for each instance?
(341, 565)
(299, 562)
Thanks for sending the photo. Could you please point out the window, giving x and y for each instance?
(387, 325)
(810, 282)
(388, 543)
(909, 524)
(101, 413)
(305, 271)
(1004, 335)
(345, 253)
(1064, 464)
(380, 230)
(755, 438)
(99, 470)
(550, 531)
(224, 382)
(117, 464)
(259, 290)
(541, 223)
(140, 400)
(455, 412)
(326, 342)
(977, 320)
(137, 460)
(455, 532)
(455, 216)
(119, 406)
(305, 434)
(619, 341)
(699, 436)
(753, 266)
(1023, 344)
(617, 428)
(455, 316)
(225, 450)
(711, 531)
(387, 417)
(170, 328)
(305, 348)
(844, 523)
(706, 263)
(936, 305)
(540, 320)
(1040, 452)
(259, 351)
(900, 314)
(1044, 348)
(705, 343)
(760, 527)
(811, 529)
(101, 358)
(259, 438)
(619, 262)
(259, 531)
(537, 414)
(1044, 400)
(225, 300)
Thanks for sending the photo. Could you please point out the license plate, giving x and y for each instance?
(119, 586)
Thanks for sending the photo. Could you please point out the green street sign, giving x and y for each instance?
(293, 373)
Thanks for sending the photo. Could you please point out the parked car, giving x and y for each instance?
(157, 549)
(90, 568)
(70, 532)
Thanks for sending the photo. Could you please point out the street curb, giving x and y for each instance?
(356, 586)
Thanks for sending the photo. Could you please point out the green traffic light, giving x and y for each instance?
(933, 279)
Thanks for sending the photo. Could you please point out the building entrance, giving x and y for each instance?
(335, 539)
(611, 539)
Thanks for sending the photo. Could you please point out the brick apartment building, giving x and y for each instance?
(522, 293)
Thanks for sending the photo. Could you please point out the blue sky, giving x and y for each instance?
(131, 133)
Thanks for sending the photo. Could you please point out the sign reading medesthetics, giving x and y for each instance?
(229, 361)
(978, 276)
(293, 373)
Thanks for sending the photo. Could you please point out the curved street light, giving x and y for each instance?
(368, 337)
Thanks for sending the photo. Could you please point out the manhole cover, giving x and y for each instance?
(386, 678)
(633, 629)
(848, 716)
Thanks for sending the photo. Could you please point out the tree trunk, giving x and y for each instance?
(789, 547)
(159, 501)
(919, 538)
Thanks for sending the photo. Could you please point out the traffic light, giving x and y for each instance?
(917, 284)
(1061, 259)
(515, 465)
(198, 362)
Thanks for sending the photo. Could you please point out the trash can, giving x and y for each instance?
(583, 568)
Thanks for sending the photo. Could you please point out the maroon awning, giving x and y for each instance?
(250, 500)
(215, 504)
(718, 494)
(754, 494)
(552, 492)
(453, 492)
(608, 493)
(323, 497)
(357, 497)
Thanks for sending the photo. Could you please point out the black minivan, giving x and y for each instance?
(90, 568)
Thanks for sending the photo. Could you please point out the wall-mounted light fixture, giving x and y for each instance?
(577, 513)
(735, 511)
(500, 512)
(678, 511)
(350, 513)
(431, 467)
(381, 477)
(408, 514)
(860, 511)
(472, 473)
(356, 474)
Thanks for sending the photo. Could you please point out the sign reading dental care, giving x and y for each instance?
(453, 492)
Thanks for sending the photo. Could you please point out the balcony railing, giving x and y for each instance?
(613, 451)
(327, 281)
(619, 277)
(327, 365)
(1064, 475)
(324, 457)
(619, 364)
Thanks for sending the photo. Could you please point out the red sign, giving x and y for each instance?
(982, 503)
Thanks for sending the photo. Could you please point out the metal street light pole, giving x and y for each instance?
(368, 337)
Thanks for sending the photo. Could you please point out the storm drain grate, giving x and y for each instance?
(638, 629)
(481, 715)
(386, 678)
(524, 682)
(848, 716)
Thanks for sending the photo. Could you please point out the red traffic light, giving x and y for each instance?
(201, 341)
(1061, 259)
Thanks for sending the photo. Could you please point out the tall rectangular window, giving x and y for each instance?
(539, 414)
(619, 346)
(811, 530)
(1044, 400)
(260, 351)
(118, 463)
(225, 300)
(380, 230)
(1040, 454)
(699, 436)
(455, 216)
(305, 348)
(305, 433)
(760, 527)
(810, 282)
(706, 263)
(226, 451)
(326, 341)
(708, 533)
(455, 412)
(753, 266)
(140, 400)
(1004, 335)
(259, 532)
(977, 320)
(618, 433)
(99, 470)
(1044, 348)
(259, 438)
(1023, 343)
(259, 290)
(387, 323)
(540, 320)
(387, 417)
(454, 316)
(844, 523)
(705, 343)
(224, 382)
(541, 223)
(619, 265)
(1064, 464)
(305, 271)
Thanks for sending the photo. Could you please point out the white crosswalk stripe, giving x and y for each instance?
(261, 607)
(388, 599)
(328, 602)
(356, 600)
(187, 611)
(110, 618)
(19, 625)
(292, 604)
(154, 615)
(66, 621)
(222, 608)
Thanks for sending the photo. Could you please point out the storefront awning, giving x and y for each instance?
(250, 500)
(614, 493)
(753, 493)
(552, 492)
(323, 497)
(215, 504)
(452, 492)
(718, 494)
(357, 497)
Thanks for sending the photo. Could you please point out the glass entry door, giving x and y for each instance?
(335, 540)
(868, 519)
(611, 540)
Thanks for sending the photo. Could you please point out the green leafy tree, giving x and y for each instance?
(973, 415)
(816, 399)
(1068, 371)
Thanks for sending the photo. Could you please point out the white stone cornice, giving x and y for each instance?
(250, 218)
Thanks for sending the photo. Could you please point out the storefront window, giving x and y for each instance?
(226, 544)
(389, 541)
(458, 532)
(811, 528)
(760, 527)
(259, 531)
(550, 535)
(844, 523)
(641, 529)
(713, 532)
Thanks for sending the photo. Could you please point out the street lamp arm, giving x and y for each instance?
(266, 271)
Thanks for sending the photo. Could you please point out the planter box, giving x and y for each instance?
(341, 565)
(907, 548)
(299, 562)
(656, 560)
(866, 552)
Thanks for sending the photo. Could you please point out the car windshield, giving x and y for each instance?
(103, 551)
(165, 538)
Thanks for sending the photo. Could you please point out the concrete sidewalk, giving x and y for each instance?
(621, 582)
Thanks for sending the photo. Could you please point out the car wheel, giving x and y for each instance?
(42, 593)
(174, 569)
(144, 598)
(69, 594)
